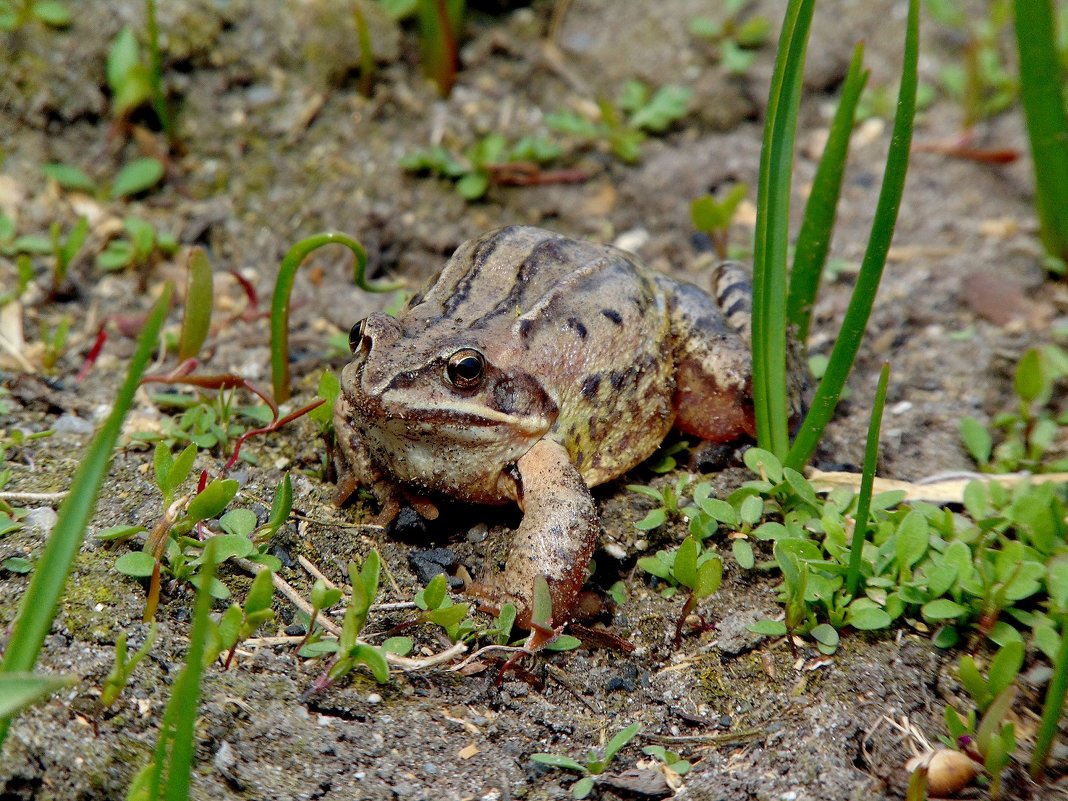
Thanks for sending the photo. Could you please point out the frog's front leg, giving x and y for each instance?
(556, 538)
(357, 468)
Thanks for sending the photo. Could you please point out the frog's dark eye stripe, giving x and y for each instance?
(356, 336)
(465, 367)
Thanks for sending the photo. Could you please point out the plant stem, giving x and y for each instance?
(867, 481)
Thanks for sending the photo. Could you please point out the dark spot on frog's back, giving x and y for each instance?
(590, 385)
(576, 325)
(613, 315)
(618, 378)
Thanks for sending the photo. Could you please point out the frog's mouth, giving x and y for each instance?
(465, 423)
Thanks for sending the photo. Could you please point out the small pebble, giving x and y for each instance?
(72, 424)
(374, 698)
(42, 519)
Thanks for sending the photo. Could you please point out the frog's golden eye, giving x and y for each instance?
(465, 368)
(356, 336)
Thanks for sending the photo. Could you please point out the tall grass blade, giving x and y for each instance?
(20, 690)
(199, 299)
(283, 286)
(817, 226)
(42, 596)
(871, 270)
(867, 482)
(172, 765)
(1041, 93)
(771, 238)
(1052, 706)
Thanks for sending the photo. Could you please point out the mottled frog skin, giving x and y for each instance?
(531, 368)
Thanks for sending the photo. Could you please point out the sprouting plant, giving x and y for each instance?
(735, 35)
(492, 160)
(674, 764)
(238, 623)
(14, 14)
(323, 597)
(209, 422)
(123, 667)
(54, 343)
(136, 80)
(132, 179)
(981, 83)
(713, 217)
(140, 249)
(668, 500)
(349, 651)
(1035, 434)
(624, 124)
(697, 569)
(439, 609)
(597, 761)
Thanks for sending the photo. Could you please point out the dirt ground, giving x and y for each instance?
(281, 145)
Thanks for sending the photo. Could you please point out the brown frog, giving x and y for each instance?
(531, 368)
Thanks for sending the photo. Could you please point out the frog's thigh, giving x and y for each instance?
(713, 364)
(559, 530)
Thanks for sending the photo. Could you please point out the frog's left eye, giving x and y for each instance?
(356, 336)
(465, 368)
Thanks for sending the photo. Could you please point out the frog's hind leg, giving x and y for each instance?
(713, 363)
(556, 537)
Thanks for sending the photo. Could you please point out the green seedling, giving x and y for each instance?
(668, 499)
(1034, 436)
(624, 125)
(673, 762)
(25, 274)
(16, 14)
(136, 79)
(1053, 705)
(141, 248)
(41, 599)
(492, 160)
(54, 343)
(238, 623)
(439, 609)
(735, 35)
(714, 217)
(210, 423)
(981, 83)
(440, 23)
(65, 249)
(348, 650)
(323, 597)
(134, 178)
(124, 667)
(993, 741)
(691, 566)
(597, 761)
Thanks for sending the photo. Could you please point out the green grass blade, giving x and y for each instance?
(20, 690)
(283, 286)
(817, 226)
(199, 299)
(867, 482)
(186, 696)
(1042, 97)
(871, 270)
(1052, 706)
(42, 596)
(771, 237)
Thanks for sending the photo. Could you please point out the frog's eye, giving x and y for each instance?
(356, 336)
(465, 368)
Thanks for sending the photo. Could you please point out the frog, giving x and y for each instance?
(531, 368)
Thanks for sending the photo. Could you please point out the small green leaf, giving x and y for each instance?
(434, 593)
(564, 642)
(374, 659)
(709, 576)
(650, 564)
(260, 594)
(1031, 382)
(16, 564)
(582, 788)
(232, 545)
(119, 533)
(215, 497)
(401, 646)
(136, 563)
(764, 463)
(977, 440)
(199, 301)
(136, 177)
(1005, 666)
(181, 468)
(826, 637)
(743, 554)
(541, 603)
(943, 609)
(686, 563)
(324, 596)
(751, 510)
(69, 177)
(52, 12)
(240, 522)
(769, 628)
(912, 537)
(557, 761)
(620, 739)
(868, 619)
(654, 519)
(473, 185)
(448, 616)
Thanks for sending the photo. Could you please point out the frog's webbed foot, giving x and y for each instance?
(556, 538)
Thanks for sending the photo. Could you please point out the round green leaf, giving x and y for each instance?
(943, 609)
(136, 177)
(136, 563)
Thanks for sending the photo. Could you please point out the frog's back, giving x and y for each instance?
(588, 321)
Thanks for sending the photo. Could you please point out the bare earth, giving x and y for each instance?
(281, 145)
